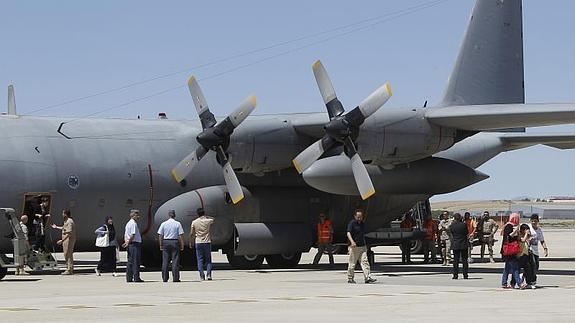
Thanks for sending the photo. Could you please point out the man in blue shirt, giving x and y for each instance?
(132, 241)
(357, 248)
(170, 237)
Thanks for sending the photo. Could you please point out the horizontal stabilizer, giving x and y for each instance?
(500, 116)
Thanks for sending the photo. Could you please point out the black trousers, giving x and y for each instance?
(535, 263)
(526, 265)
(107, 261)
(457, 255)
(406, 251)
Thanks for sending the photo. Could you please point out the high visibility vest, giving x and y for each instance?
(324, 232)
(430, 228)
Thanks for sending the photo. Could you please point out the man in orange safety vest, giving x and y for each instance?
(324, 239)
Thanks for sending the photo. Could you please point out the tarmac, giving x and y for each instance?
(402, 293)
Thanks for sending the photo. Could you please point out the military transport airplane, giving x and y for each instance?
(241, 168)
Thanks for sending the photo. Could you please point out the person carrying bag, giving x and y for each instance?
(106, 242)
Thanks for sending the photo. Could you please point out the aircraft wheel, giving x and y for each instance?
(245, 262)
(3, 272)
(284, 260)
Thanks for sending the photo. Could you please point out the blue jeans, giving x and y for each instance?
(134, 258)
(204, 255)
(511, 267)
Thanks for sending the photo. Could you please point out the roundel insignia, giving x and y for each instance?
(73, 182)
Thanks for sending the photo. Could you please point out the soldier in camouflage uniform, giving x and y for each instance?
(445, 238)
(489, 227)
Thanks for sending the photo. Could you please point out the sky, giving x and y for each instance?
(60, 51)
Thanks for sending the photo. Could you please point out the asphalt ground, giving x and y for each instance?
(418, 292)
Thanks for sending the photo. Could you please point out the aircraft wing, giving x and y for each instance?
(310, 124)
(501, 116)
(514, 141)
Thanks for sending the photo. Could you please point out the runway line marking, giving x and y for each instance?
(188, 303)
(288, 298)
(378, 295)
(76, 307)
(239, 301)
(17, 309)
(333, 296)
(134, 305)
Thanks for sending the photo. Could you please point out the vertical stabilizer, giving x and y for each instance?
(489, 67)
(11, 101)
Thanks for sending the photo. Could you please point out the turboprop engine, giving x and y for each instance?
(426, 176)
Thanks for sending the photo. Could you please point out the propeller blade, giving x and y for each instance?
(362, 179)
(232, 183)
(375, 100)
(312, 153)
(243, 111)
(185, 166)
(207, 118)
(227, 126)
(333, 105)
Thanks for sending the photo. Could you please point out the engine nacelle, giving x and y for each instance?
(216, 203)
(272, 238)
(426, 176)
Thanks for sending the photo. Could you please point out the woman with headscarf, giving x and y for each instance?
(510, 239)
(107, 261)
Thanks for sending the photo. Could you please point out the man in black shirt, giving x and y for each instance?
(357, 248)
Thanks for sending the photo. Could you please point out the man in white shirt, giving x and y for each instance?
(170, 237)
(133, 240)
(536, 238)
(200, 236)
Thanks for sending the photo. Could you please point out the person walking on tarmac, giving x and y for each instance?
(201, 238)
(406, 225)
(324, 239)
(358, 248)
(68, 240)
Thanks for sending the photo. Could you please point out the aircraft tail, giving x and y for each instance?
(489, 67)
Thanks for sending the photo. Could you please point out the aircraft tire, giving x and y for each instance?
(284, 261)
(3, 272)
(245, 262)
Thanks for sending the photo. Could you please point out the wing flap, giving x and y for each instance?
(555, 140)
(499, 116)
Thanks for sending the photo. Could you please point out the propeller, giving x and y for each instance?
(216, 137)
(343, 129)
